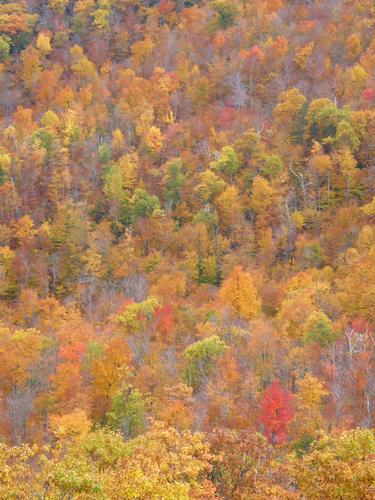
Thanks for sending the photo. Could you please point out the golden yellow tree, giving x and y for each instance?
(239, 291)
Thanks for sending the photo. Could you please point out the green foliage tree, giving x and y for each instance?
(227, 163)
(128, 412)
(337, 467)
(201, 357)
(318, 329)
(174, 182)
(226, 11)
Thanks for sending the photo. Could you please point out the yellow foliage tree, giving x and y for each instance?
(310, 396)
(73, 425)
(43, 43)
(353, 46)
(229, 207)
(129, 169)
(118, 141)
(58, 5)
(303, 55)
(154, 140)
(238, 290)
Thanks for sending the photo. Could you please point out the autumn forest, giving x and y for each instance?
(187, 249)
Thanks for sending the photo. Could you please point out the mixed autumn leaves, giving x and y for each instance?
(187, 249)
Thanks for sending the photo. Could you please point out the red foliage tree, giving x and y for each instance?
(368, 94)
(164, 321)
(277, 412)
(73, 352)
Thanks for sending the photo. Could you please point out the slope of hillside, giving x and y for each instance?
(187, 249)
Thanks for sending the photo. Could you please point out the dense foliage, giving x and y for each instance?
(187, 249)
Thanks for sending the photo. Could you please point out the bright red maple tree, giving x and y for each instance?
(277, 412)
(164, 321)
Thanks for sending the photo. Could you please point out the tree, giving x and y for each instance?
(174, 182)
(109, 370)
(104, 153)
(210, 185)
(17, 23)
(303, 55)
(227, 162)
(337, 467)
(154, 140)
(201, 357)
(58, 5)
(164, 320)
(43, 43)
(226, 11)
(276, 412)
(105, 447)
(118, 141)
(141, 50)
(290, 114)
(20, 356)
(229, 208)
(318, 329)
(353, 46)
(239, 462)
(163, 463)
(137, 315)
(114, 183)
(72, 425)
(128, 412)
(144, 204)
(129, 165)
(239, 292)
(272, 165)
(309, 405)
(5, 44)
(8, 283)
(347, 164)
(101, 18)
(262, 199)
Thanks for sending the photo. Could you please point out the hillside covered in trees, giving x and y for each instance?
(187, 249)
